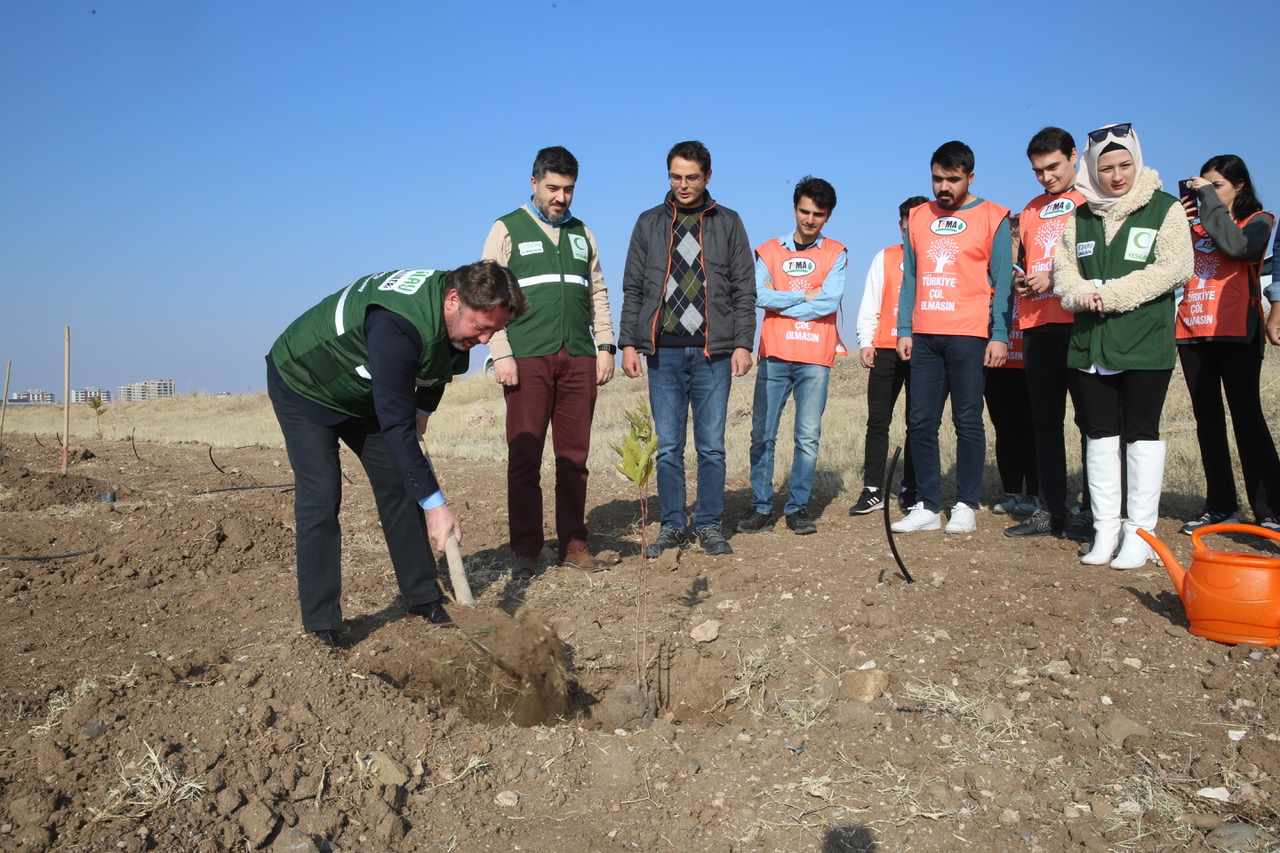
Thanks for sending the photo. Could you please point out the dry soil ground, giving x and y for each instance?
(157, 693)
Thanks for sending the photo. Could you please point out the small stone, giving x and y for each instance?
(668, 560)
(293, 840)
(706, 632)
(384, 768)
(1236, 836)
(1009, 817)
(507, 799)
(694, 767)
(257, 821)
(863, 686)
(1133, 663)
(1117, 728)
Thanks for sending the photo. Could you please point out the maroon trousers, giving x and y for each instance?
(557, 391)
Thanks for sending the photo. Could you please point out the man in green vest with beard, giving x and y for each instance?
(367, 366)
(551, 361)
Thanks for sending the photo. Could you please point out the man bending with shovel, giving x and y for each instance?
(367, 366)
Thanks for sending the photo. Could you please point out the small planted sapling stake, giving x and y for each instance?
(638, 452)
(95, 403)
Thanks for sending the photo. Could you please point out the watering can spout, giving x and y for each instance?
(1177, 573)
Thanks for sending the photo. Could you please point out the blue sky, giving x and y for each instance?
(181, 179)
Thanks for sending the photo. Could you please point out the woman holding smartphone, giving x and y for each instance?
(1122, 255)
(1221, 334)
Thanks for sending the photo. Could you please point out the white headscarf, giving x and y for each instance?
(1088, 182)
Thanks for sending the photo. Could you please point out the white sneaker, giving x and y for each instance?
(962, 519)
(918, 519)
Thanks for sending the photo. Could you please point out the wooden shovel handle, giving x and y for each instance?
(457, 574)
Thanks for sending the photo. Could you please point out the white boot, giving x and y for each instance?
(1102, 462)
(1146, 481)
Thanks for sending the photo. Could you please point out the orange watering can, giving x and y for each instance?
(1229, 596)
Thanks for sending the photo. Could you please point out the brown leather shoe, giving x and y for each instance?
(522, 568)
(583, 561)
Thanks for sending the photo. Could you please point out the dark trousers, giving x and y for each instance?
(1214, 369)
(1049, 383)
(313, 453)
(888, 378)
(1009, 408)
(945, 366)
(1127, 404)
(558, 391)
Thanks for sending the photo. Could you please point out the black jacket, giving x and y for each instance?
(728, 267)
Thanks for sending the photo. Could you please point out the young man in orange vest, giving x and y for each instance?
(958, 253)
(1046, 330)
(799, 284)
(877, 330)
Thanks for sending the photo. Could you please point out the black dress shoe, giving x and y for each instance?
(432, 611)
(327, 638)
(523, 568)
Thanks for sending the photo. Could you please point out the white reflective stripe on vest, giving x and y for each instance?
(337, 313)
(551, 278)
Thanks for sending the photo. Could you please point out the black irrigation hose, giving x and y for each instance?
(215, 464)
(51, 556)
(888, 526)
(134, 445)
(244, 489)
(37, 438)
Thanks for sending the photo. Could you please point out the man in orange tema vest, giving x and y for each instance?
(958, 254)
(877, 330)
(1046, 330)
(799, 284)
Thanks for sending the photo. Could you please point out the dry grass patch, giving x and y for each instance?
(154, 784)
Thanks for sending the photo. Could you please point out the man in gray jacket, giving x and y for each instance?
(688, 305)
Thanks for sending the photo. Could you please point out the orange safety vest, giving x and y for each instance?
(886, 336)
(1041, 224)
(952, 250)
(804, 341)
(1222, 291)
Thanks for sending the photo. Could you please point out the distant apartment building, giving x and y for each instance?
(80, 396)
(32, 396)
(152, 389)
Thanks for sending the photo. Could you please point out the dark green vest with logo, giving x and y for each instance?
(324, 356)
(1141, 339)
(557, 281)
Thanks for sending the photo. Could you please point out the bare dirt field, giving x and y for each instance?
(157, 693)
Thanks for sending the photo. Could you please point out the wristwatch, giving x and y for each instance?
(609, 348)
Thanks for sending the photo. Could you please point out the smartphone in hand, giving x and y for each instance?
(1185, 190)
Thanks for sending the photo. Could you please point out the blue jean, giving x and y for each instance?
(680, 379)
(776, 380)
(942, 366)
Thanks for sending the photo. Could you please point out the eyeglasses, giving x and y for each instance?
(1117, 130)
(686, 179)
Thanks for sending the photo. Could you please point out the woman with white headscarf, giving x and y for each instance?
(1122, 255)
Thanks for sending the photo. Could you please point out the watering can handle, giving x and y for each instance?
(1230, 528)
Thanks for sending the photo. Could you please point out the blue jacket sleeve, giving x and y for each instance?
(767, 297)
(1000, 271)
(828, 302)
(907, 295)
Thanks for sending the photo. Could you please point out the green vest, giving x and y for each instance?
(324, 356)
(557, 281)
(1141, 339)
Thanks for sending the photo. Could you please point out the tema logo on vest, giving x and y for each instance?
(796, 267)
(948, 225)
(406, 281)
(1057, 207)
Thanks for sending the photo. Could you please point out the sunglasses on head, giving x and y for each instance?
(1117, 130)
